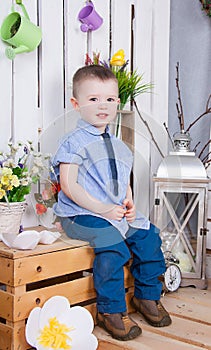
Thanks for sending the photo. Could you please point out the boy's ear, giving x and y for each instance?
(74, 102)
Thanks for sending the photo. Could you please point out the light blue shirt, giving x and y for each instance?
(85, 147)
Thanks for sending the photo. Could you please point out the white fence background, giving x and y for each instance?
(35, 88)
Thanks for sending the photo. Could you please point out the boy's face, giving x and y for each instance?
(97, 101)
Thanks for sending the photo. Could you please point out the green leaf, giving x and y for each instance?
(130, 85)
(18, 194)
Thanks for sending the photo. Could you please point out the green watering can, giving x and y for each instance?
(19, 32)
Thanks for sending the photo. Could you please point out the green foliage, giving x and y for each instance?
(206, 6)
(130, 85)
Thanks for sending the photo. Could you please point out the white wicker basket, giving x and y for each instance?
(10, 216)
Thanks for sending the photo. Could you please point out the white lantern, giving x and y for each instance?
(181, 190)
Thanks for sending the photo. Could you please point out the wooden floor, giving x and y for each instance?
(190, 310)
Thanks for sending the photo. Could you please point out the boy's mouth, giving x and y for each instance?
(102, 115)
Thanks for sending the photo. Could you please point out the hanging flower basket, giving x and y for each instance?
(11, 216)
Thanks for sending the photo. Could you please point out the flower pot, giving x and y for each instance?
(19, 32)
(11, 216)
(125, 126)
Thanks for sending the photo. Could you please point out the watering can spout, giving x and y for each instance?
(11, 52)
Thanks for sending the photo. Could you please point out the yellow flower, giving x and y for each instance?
(15, 181)
(118, 59)
(6, 171)
(5, 180)
(2, 193)
(54, 336)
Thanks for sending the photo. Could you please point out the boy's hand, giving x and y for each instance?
(114, 212)
(130, 213)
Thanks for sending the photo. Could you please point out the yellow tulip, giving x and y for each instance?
(118, 59)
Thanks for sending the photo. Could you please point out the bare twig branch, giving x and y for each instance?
(206, 157)
(208, 142)
(167, 130)
(208, 161)
(207, 111)
(198, 143)
(148, 128)
(208, 102)
(207, 165)
(179, 106)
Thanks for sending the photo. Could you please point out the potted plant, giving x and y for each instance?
(21, 167)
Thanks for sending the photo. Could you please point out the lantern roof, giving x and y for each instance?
(181, 165)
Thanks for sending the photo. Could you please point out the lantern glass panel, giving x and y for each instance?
(179, 222)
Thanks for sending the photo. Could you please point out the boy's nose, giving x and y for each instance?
(103, 105)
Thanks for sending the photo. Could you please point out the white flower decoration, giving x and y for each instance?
(57, 326)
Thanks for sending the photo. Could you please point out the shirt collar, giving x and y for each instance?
(82, 124)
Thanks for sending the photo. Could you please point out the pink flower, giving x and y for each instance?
(40, 208)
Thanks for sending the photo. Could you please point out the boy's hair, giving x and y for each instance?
(93, 71)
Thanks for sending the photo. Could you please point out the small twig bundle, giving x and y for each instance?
(179, 103)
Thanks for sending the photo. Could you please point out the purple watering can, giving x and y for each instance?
(89, 18)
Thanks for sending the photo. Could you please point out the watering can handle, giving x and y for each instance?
(19, 2)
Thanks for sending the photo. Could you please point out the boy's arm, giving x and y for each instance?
(73, 190)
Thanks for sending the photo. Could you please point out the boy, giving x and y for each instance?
(95, 204)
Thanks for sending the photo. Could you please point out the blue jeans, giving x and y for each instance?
(112, 251)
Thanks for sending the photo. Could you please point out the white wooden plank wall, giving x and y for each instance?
(36, 87)
(209, 213)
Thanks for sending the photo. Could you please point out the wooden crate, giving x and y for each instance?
(28, 278)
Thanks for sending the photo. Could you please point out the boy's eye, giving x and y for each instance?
(94, 99)
(111, 99)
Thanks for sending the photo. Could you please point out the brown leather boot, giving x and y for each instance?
(153, 311)
(119, 325)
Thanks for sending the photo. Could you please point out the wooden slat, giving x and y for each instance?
(5, 337)
(6, 270)
(197, 296)
(18, 307)
(6, 305)
(37, 268)
(189, 310)
(186, 331)
(146, 341)
(76, 291)
(62, 243)
(19, 339)
(129, 280)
